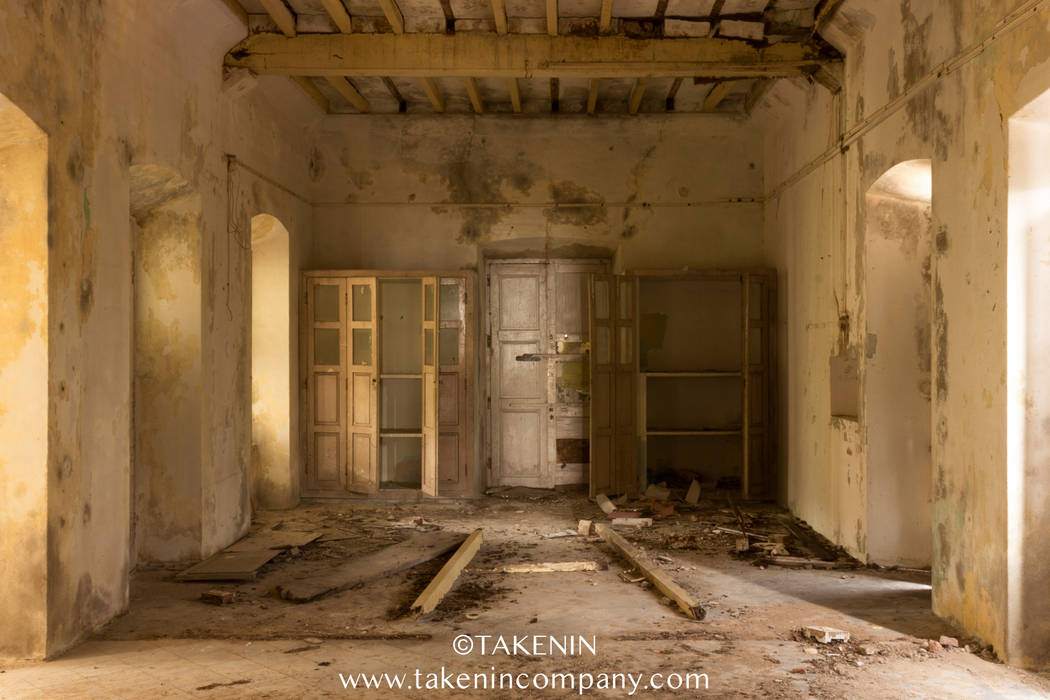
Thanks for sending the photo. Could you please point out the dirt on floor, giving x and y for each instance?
(749, 639)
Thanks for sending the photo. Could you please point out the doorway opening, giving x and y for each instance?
(897, 408)
(1028, 386)
(274, 481)
(23, 382)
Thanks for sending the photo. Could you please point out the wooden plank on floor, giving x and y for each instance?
(416, 550)
(660, 579)
(229, 566)
(442, 583)
(274, 539)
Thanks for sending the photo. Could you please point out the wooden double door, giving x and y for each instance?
(385, 382)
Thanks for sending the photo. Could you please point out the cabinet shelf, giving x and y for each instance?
(701, 431)
(400, 433)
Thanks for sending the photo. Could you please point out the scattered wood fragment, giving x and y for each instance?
(228, 566)
(652, 571)
(560, 533)
(584, 527)
(604, 503)
(442, 583)
(553, 566)
(632, 522)
(417, 549)
(662, 508)
(217, 597)
(806, 562)
(660, 493)
(693, 495)
(825, 635)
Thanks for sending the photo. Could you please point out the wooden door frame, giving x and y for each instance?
(466, 394)
(486, 425)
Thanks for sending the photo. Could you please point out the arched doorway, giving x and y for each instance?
(897, 424)
(23, 383)
(274, 480)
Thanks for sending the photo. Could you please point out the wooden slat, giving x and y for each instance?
(312, 92)
(499, 14)
(475, 95)
(395, 93)
(637, 93)
(347, 90)
(281, 15)
(235, 8)
(592, 96)
(716, 95)
(393, 15)
(430, 87)
(229, 566)
(605, 18)
(488, 55)
(337, 11)
(660, 579)
(515, 93)
(756, 93)
(552, 17)
(442, 582)
(672, 93)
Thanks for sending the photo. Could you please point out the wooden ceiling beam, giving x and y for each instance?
(281, 15)
(484, 55)
(340, 17)
(393, 15)
(345, 88)
(515, 94)
(499, 14)
(592, 96)
(430, 87)
(552, 17)
(637, 93)
(312, 92)
(402, 105)
(475, 95)
(605, 18)
(718, 93)
(676, 85)
(755, 94)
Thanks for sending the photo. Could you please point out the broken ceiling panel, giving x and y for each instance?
(686, 27)
(744, 7)
(739, 29)
(690, 8)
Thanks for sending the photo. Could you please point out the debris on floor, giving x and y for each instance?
(446, 577)
(228, 566)
(217, 597)
(825, 635)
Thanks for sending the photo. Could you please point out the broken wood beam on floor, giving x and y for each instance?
(442, 583)
(229, 566)
(808, 563)
(416, 550)
(604, 503)
(632, 522)
(660, 579)
(552, 567)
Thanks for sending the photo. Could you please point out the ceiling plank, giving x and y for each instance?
(499, 14)
(337, 11)
(824, 15)
(488, 55)
(756, 93)
(475, 95)
(280, 14)
(552, 17)
(672, 94)
(402, 105)
(393, 15)
(239, 12)
(637, 93)
(718, 93)
(605, 19)
(347, 90)
(312, 92)
(430, 87)
(592, 96)
(515, 94)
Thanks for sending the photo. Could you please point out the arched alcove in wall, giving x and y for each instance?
(898, 247)
(272, 475)
(166, 475)
(1028, 386)
(23, 383)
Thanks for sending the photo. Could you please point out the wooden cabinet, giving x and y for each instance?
(386, 382)
(683, 373)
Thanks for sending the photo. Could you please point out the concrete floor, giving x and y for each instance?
(172, 645)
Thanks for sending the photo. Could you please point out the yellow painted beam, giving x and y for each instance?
(430, 87)
(605, 19)
(499, 13)
(637, 93)
(756, 93)
(393, 15)
(716, 95)
(337, 11)
(552, 17)
(312, 92)
(592, 96)
(488, 55)
(475, 95)
(515, 93)
(281, 15)
(347, 90)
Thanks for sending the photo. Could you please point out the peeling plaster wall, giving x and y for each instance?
(428, 192)
(816, 222)
(115, 82)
